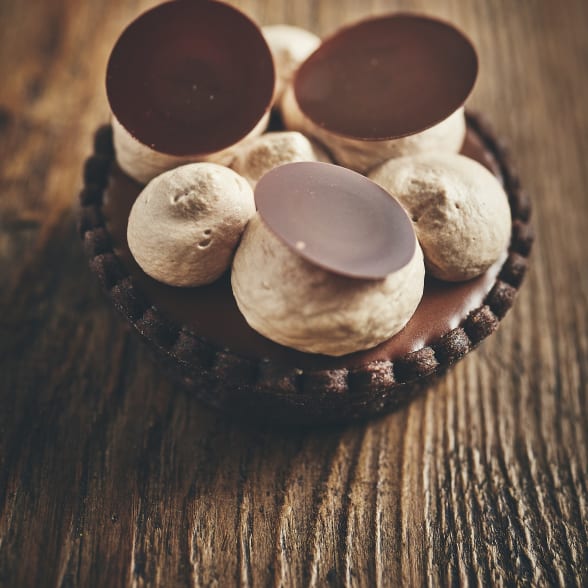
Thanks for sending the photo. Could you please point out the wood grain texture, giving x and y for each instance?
(110, 477)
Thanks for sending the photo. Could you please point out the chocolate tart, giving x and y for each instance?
(203, 342)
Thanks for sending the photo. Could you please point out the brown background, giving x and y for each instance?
(109, 477)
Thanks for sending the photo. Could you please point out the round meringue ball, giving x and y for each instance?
(142, 163)
(186, 223)
(459, 210)
(289, 47)
(295, 303)
(264, 153)
(362, 155)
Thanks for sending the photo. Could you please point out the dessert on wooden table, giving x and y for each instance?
(320, 269)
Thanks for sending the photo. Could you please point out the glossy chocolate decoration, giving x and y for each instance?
(212, 313)
(176, 84)
(336, 219)
(387, 77)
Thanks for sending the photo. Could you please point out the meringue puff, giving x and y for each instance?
(186, 223)
(179, 92)
(264, 153)
(142, 163)
(363, 155)
(298, 304)
(459, 210)
(289, 47)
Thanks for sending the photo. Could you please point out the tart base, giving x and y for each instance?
(285, 390)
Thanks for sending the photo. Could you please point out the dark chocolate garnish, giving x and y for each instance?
(387, 77)
(336, 218)
(176, 84)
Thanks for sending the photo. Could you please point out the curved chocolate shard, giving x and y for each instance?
(336, 219)
(387, 77)
(177, 86)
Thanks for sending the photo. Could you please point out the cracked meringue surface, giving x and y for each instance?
(459, 210)
(186, 223)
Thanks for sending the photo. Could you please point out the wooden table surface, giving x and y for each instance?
(110, 477)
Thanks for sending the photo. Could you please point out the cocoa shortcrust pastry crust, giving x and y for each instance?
(273, 391)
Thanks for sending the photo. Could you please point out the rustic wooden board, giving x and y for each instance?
(110, 477)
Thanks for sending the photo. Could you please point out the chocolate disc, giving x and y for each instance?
(336, 219)
(176, 84)
(387, 77)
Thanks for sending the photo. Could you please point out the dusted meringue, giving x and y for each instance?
(363, 155)
(266, 152)
(143, 163)
(459, 210)
(186, 223)
(295, 303)
(289, 46)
